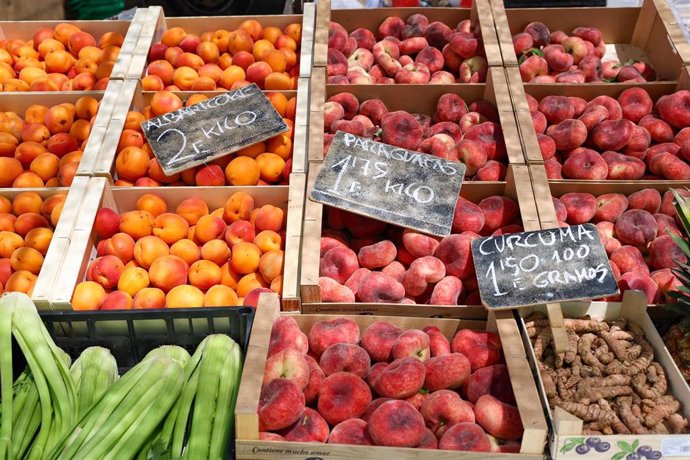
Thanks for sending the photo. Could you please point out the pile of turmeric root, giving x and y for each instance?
(607, 377)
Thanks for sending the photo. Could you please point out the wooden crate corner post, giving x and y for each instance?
(246, 417)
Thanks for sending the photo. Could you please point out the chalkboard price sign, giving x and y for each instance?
(544, 266)
(388, 183)
(212, 128)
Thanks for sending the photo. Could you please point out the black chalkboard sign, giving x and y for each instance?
(544, 266)
(391, 184)
(212, 128)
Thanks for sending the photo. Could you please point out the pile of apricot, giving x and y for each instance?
(264, 163)
(44, 148)
(152, 257)
(26, 229)
(61, 59)
(223, 59)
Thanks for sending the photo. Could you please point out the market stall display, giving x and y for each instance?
(380, 334)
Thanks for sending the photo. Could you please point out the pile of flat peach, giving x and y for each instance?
(264, 163)
(156, 257)
(224, 59)
(44, 147)
(627, 138)
(65, 58)
(456, 131)
(26, 230)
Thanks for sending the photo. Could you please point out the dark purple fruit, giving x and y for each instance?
(602, 447)
(582, 449)
(593, 442)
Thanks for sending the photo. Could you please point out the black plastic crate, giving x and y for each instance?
(131, 334)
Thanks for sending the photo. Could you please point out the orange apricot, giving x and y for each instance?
(242, 171)
(137, 224)
(245, 258)
(220, 296)
(149, 248)
(187, 250)
(133, 280)
(184, 296)
(148, 298)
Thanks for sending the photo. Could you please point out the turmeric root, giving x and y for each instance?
(651, 384)
(644, 360)
(676, 423)
(615, 423)
(661, 408)
(607, 377)
(587, 412)
(543, 340)
(627, 416)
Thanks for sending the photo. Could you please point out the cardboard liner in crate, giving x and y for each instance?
(516, 187)
(565, 428)
(62, 234)
(132, 98)
(629, 32)
(99, 193)
(156, 24)
(397, 97)
(248, 445)
(587, 91)
(371, 19)
(131, 30)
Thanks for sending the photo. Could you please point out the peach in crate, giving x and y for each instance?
(634, 228)
(265, 163)
(363, 382)
(156, 256)
(225, 59)
(629, 137)
(411, 46)
(370, 261)
(27, 223)
(61, 58)
(43, 147)
(456, 130)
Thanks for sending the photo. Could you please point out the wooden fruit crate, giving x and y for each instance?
(565, 428)
(157, 24)
(62, 234)
(248, 445)
(131, 97)
(587, 91)
(131, 30)
(480, 13)
(517, 187)
(99, 193)
(629, 32)
(19, 102)
(397, 97)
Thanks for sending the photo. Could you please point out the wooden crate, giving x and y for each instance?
(517, 187)
(25, 30)
(629, 32)
(62, 235)
(131, 97)
(588, 91)
(157, 24)
(371, 18)
(19, 102)
(396, 97)
(99, 194)
(564, 427)
(248, 445)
